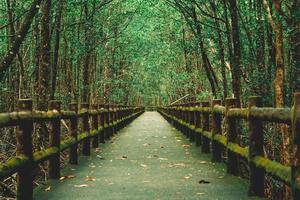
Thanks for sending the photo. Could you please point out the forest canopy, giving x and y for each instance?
(148, 52)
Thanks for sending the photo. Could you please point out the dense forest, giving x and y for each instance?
(150, 52)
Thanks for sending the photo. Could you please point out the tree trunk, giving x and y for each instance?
(221, 50)
(236, 62)
(56, 47)
(21, 34)
(45, 61)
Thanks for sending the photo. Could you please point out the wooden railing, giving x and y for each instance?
(201, 122)
(105, 121)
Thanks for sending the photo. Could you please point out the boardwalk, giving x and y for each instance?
(147, 160)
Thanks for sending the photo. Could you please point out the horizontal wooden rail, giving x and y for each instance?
(201, 122)
(106, 121)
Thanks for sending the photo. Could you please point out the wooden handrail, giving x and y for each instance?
(106, 121)
(202, 122)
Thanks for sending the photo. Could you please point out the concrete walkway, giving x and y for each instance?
(149, 159)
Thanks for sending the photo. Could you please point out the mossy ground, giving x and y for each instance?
(147, 160)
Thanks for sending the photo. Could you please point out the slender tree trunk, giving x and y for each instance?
(21, 34)
(86, 69)
(236, 62)
(206, 63)
(276, 24)
(55, 66)
(221, 50)
(45, 61)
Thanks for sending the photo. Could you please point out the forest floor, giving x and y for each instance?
(149, 159)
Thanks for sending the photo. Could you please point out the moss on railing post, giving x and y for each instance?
(256, 143)
(216, 130)
(102, 123)
(193, 123)
(95, 142)
(205, 127)
(296, 140)
(54, 141)
(113, 116)
(232, 133)
(24, 147)
(73, 155)
(198, 125)
(106, 119)
(86, 145)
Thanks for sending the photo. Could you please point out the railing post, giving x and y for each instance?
(86, 145)
(256, 143)
(73, 157)
(54, 141)
(193, 123)
(232, 158)
(95, 126)
(24, 147)
(113, 116)
(205, 127)
(216, 130)
(106, 118)
(296, 140)
(198, 125)
(102, 123)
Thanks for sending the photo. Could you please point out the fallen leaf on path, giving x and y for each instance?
(81, 186)
(179, 165)
(88, 178)
(186, 146)
(162, 158)
(142, 165)
(66, 177)
(48, 189)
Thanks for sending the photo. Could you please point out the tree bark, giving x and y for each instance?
(236, 62)
(55, 65)
(45, 61)
(21, 34)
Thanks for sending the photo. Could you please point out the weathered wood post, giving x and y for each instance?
(73, 157)
(296, 140)
(198, 125)
(102, 123)
(113, 119)
(232, 158)
(95, 142)
(107, 118)
(256, 143)
(24, 147)
(205, 127)
(193, 122)
(216, 130)
(86, 145)
(54, 141)
(189, 120)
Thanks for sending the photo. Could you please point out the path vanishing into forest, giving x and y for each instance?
(149, 159)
